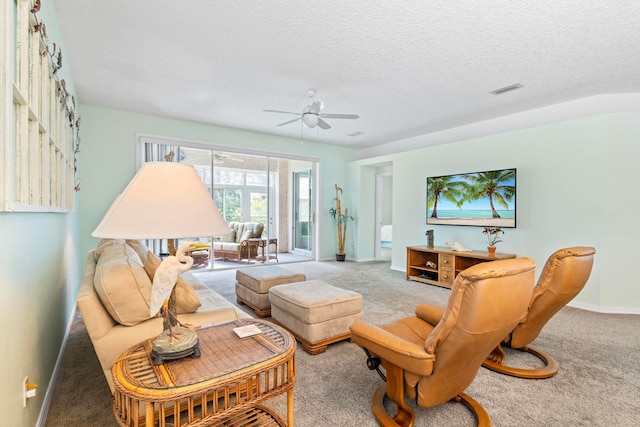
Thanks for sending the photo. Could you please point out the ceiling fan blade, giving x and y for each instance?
(322, 124)
(221, 156)
(340, 116)
(316, 107)
(290, 121)
(278, 111)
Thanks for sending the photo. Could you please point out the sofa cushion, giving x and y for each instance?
(187, 300)
(200, 245)
(226, 246)
(228, 238)
(123, 286)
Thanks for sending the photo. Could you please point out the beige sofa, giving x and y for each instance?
(236, 245)
(115, 293)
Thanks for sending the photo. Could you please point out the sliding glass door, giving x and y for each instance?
(274, 191)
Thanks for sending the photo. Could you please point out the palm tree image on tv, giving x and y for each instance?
(494, 185)
(482, 199)
(444, 187)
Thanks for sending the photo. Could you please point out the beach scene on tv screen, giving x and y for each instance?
(481, 198)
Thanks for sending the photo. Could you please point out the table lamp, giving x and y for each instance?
(165, 200)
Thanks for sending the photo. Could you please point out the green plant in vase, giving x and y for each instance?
(341, 220)
(492, 238)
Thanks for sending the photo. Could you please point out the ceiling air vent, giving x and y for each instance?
(502, 90)
(355, 133)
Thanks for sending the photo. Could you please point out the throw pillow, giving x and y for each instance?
(248, 234)
(122, 283)
(140, 248)
(187, 300)
(103, 244)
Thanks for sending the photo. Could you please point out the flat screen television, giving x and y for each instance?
(483, 199)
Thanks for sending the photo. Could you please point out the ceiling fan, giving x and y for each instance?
(219, 158)
(312, 115)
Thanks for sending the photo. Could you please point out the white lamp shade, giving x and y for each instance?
(163, 200)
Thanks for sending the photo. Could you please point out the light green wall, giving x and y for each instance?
(40, 276)
(37, 298)
(108, 156)
(386, 192)
(577, 185)
(619, 202)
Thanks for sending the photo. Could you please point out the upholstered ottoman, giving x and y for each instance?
(253, 284)
(315, 312)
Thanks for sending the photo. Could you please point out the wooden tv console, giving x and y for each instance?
(440, 266)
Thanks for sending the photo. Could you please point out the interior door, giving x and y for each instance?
(302, 211)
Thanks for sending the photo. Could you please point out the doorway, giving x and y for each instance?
(302, 208)
(384, 216)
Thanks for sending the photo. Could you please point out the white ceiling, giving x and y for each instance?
(406, 67)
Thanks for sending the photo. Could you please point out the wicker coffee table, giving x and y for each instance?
(224, 386)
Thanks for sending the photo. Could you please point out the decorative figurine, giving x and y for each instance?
(429, 235)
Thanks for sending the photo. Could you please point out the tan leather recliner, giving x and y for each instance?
(434, 356)
(563, 277)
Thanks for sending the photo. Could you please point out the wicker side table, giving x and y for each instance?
(224, 385)
(262, 244)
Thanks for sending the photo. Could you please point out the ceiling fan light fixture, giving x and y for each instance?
(310, 120)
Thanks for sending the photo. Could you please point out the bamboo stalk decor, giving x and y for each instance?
(341, 222)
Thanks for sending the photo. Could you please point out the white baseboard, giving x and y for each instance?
(348, 258)
(42, 418)
(604, 310)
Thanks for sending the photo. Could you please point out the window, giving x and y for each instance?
(242, 195)
(229, 202)
(37, 116)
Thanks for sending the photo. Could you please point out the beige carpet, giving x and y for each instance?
(598, 383)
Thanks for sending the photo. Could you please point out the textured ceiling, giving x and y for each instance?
(406, 67)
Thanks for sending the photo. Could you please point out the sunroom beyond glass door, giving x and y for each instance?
(245, 190)
(302, 226)
(249, 188)
(201, 161)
